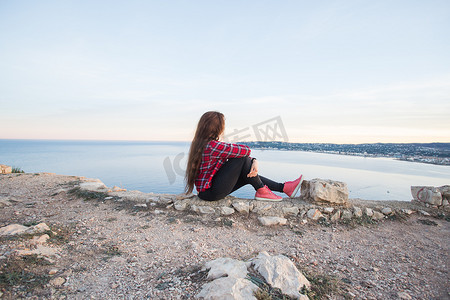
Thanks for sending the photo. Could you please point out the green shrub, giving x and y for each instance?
(17, 170)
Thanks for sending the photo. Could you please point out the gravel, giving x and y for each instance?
(110, 249)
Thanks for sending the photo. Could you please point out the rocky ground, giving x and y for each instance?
(102, 246)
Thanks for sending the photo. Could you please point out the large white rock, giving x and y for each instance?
(280, 272)
(427, 194)
(328, 191)
(223, 267)
(228, 288)
(229, 281)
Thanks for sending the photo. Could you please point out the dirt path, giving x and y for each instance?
(114, 250)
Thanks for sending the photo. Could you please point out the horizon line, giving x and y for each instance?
(188, 141)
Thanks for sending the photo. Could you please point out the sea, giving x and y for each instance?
(159, 167)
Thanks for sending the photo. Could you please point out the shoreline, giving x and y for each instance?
(96, 185)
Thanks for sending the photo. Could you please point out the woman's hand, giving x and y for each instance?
(253, 169)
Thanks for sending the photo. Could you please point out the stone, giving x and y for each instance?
(445, 192)
(180, 205)
(5, 169)
(407, 211)
(40, 250)
(13, 229)
(328, 210)
(141, 205)
(4, 202)
(314, 214)
(203, 209)
(184, 196)
(270, 221)
(58, 281)
(290, 211)
(228, 288)
(225, 267)
(387, 211)
(53, 272)
(166, 199)
(41, 240)
(280, 272)
(114, 286)
(346, 215)
(93, 185)
(427, 194)
(424, 213)
(118, 189)
(225, 210)
(39, 228)
(403, 296)
(336, 216)
(357, 211)
(327, 191)
(368, 212)
(228, 280)
(242, 207)
(445, 202)
(261, 207)
(377, 215)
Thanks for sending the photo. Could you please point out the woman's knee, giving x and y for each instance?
(247, 163)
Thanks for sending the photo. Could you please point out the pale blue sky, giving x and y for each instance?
(334, 71)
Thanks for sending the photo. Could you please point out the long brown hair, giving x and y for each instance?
(210, 127)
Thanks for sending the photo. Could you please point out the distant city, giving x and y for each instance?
(430, 153)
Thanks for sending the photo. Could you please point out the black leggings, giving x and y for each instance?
(232, 176)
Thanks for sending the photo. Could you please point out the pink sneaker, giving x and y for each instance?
(265, 194)
(291, 187)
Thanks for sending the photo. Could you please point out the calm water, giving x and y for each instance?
(158, 166)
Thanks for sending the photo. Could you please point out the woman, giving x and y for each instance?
(217, 169)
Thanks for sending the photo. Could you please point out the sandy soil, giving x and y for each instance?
(109, 249)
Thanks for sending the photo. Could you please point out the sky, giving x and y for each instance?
(348, 71)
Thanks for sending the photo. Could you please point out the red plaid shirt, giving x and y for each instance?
(214, 156)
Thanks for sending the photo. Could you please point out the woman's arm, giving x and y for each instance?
(226, 150)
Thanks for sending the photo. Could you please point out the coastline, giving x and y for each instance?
(159, 167)
(427, 153)
(107, 234)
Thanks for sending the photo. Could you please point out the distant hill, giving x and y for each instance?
(432, 153)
